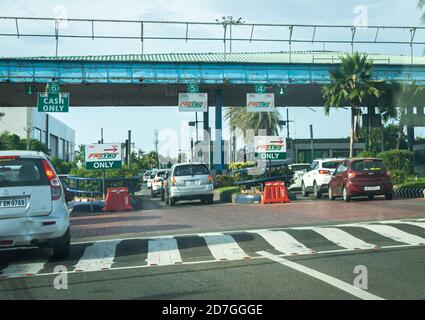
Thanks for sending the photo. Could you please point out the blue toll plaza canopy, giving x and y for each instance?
(156, 79)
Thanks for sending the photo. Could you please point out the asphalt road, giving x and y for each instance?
(310, 262)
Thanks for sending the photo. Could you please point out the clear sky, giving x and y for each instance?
(143, 121)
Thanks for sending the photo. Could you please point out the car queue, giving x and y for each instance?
(336, 177)
(346, 178)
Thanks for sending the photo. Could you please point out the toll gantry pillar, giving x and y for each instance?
(218, 145)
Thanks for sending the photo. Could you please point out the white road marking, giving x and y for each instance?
(343, 238)
(15, 270)
(413, 223)
(283, 242)
(98, 256)
(207, 261)
(195, 234)
(393, 233)
(163, 252)
(224, 247)
(357, 292)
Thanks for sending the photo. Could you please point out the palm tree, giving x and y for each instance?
(421, 4)
(240, 118)
(350, 85)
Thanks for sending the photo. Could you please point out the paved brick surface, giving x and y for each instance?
(191, 217)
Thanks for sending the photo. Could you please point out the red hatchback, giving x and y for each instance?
(361, 177)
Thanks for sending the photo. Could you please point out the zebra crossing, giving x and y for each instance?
(214, 247)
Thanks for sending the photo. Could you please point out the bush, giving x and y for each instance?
(241, 165)
(366, 154)
(398, 160)
(61, 166)
(223, 181)
(399, 176)
(414, 183)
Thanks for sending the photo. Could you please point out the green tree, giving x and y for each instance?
(149, 160)
(10, 141)
(405, 99)
(63, 167)
(350, 85)
(390, 138)
(239, 117)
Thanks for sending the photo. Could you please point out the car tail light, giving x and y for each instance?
(8, 157)
(173, 181)
(210, 180)
(387, 173)
(53, 180)
(324, 171)
(351, 175)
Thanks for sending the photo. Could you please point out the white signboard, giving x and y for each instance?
(193, 102)
(103, 156)
(270, 147)
(260, 102)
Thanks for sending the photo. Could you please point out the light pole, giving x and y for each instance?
(228, 21)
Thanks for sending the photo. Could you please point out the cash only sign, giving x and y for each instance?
(103, 156)
(53, 100)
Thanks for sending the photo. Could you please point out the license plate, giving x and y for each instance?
(12, 203)
(375, 188)
(191, 182)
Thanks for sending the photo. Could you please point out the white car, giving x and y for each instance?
(318, 176)
(156, 183)
(189, 181)
(298, 169)
(150, 178)
(33, 211)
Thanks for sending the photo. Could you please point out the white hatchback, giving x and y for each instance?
(318, 176)
(33, 211)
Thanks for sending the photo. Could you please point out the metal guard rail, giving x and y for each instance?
(70, 187)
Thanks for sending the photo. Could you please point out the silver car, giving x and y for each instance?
(189, 181)
(33, 211)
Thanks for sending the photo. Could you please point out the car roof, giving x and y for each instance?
(364, 158)
(24, 154)
(188, 163)
(331, 159)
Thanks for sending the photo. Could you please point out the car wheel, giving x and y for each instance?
(316, 192)
(330, 194)
(172, 202)
(153, 195)
(303, 190)
(210, 200)
(370, 197)
(62, 247)
(345, 195)
(389, 196)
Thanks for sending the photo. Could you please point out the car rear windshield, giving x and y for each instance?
(191, 170)
(15, 172)
(331, 164)
(162, 174)
(367, 165)
(299, 167)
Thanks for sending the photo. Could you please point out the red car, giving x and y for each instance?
(361, 177)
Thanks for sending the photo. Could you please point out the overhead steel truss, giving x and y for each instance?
(254, 29)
